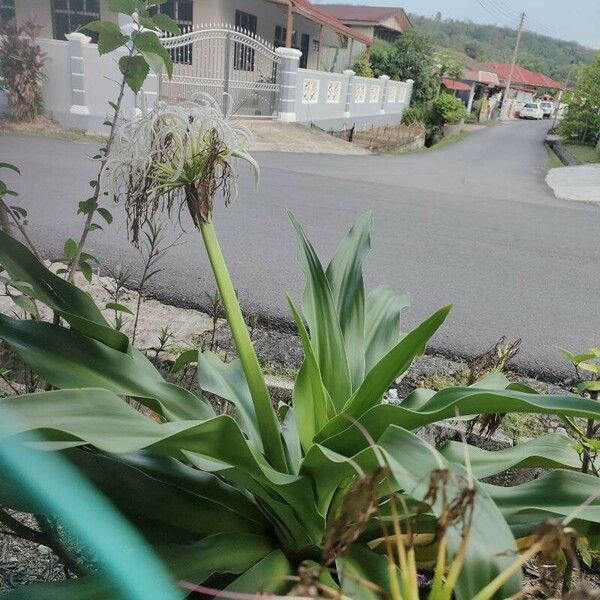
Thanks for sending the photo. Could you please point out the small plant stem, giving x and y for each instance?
(92, 211)
(440, 568)
(20, 227)
(456, 565)
(265, 413)
(491, 588)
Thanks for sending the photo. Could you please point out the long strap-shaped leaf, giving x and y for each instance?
(491, 548)
(384, 373)
(345, 277)
(101, 419)
(320, 312)
(223, 553)
(68, 359)
(452, 402)
(73, 304)
(550, 451)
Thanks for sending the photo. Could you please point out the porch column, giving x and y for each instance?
(384, 91)
(77, 41)
(349, 73)
(471, 97)
(287, 75)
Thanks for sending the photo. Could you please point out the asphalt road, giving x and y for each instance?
(471, 224)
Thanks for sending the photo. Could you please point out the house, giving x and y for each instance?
(292, 23)
(525, 84)
(381, 22)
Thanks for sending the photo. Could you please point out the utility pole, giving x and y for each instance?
(505, 98)
(561, 92)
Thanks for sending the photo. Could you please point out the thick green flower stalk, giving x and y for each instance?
(181, 156)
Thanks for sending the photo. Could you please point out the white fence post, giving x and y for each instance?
(410, 83)
(384, 91)
(349, 73)
(76, 64)
(287, 76)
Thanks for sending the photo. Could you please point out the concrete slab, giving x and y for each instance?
(275, 136)
(580, 183)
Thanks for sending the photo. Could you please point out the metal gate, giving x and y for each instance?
(234, 66)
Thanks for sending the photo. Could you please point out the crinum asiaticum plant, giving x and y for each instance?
(241, 502)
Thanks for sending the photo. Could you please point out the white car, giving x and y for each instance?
(531, 110)
(547, 109)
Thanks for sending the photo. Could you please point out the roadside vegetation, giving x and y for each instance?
(145, 488)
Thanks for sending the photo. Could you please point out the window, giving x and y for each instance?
(243, 57)
(182, 12)
(280, 36)
(7, 10)
(70, 15)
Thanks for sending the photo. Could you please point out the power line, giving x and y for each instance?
(497, 16)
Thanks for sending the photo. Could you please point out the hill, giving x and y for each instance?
(491, 43)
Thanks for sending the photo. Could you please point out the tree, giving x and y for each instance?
(582, 121)
(411, 56)
(474, 50)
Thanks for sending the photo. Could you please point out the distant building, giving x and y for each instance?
(381, 22)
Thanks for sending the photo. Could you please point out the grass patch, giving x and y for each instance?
(586, 154)
(553, 161)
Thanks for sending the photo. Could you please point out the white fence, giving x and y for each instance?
(80, 83)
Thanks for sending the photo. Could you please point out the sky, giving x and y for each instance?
(577, 20)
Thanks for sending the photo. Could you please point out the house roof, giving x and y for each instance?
(316, 13)
(523, 76)
(472, 69)
(372, 15)
(454, 84)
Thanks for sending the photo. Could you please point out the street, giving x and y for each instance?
(471, 224)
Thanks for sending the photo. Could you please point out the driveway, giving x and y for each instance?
(471, 224)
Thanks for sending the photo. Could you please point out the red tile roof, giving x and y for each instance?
(367, 14)
(523, 76)
(453, 84)
(316, 13)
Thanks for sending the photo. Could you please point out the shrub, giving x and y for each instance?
(21, 63)
(362, 66)
(582, 119)
(419, 113)
(447, 109)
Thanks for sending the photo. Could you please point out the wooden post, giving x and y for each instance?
(319, 50)
(290, 25)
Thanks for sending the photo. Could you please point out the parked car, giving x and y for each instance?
(531, 110)
(547, 109)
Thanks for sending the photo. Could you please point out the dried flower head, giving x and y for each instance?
(175, 156)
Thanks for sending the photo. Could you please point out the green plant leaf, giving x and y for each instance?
(165, 23)
(149, 44)
(453, 402)
(383, 311)
(550, 451)
(360, 565)
(326, 335)
(71, 303)
(86, 270)
(555, 494)
(117, 307)
(5, 165)
(25, 303)
(127, 7)
(310, 398)
(110, 36)
(100, 418)
(227, 380)
(68, 359)
(190, 516)
(345, 277)
(105, 214)
(187, 357)
(491, 547)
(70, 248)
(588, 386)
(135, 69)
(269, 576)
(197, 562)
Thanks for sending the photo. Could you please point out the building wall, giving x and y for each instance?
(41, 10)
